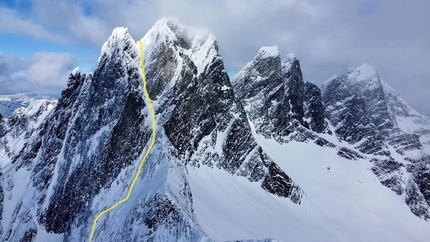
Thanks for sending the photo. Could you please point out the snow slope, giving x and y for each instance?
(344, 201)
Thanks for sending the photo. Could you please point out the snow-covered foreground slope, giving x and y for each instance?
(344, 201)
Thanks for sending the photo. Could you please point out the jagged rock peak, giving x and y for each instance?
(119, 38)
(276, 99)
(264, 70)
(198, 44)
(169, 30)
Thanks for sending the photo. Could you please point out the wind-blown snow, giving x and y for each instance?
(268, 51)
(363, 72)
(76, 71)
(364, 76)
(291, 56)
(288, 62)
(201, 51)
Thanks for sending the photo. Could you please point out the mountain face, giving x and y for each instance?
(203, 113)
(277, 100)
(267, 156)
(364, 114)
(368, 114)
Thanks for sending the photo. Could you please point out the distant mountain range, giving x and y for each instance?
(10, 102)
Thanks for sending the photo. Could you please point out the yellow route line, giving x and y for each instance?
(130, 189)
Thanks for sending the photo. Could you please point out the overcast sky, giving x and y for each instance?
(42, 41)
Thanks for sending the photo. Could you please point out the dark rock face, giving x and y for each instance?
(200, 105)
(294, 88)
(155, 215)
(2, 129)
(349, 154)
(315, 109)
(261, 90)
(106, 105)
(277, 182)
(277, 100)
(403, 142)
(1, 206)
(349, 113)
(418, 187)
(29, 235)
(390, 174)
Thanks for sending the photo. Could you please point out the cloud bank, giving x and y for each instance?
(44, 73)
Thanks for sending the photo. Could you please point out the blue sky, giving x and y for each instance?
(368, 8)
(42, 41)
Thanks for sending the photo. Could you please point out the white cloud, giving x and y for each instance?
(69, 19)
(11, 22)
(50, 70)
(45, 72)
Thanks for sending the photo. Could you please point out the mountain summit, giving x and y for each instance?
(264, 157)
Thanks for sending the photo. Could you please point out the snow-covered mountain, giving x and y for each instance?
(279, 103)
(264, 157)
(16, 130)
(371, 116)
(10, 102)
